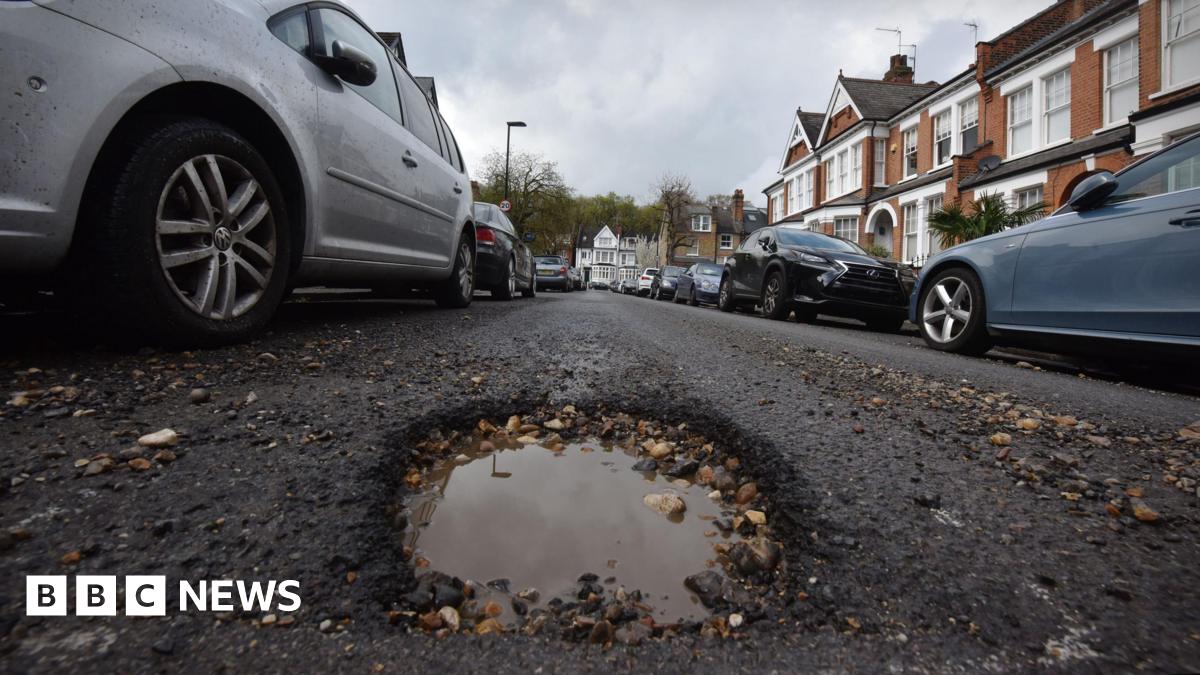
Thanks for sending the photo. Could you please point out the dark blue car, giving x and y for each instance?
(701, 283)
(1118, 264)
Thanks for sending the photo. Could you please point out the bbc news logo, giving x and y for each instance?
(147, 595)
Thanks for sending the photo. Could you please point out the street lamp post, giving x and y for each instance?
(508, 152)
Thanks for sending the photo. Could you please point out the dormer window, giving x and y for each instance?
(702, 223)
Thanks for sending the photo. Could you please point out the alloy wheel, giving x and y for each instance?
(216, 238)
(512, 277)
(947, 309)
(466, 271)
(771, 297)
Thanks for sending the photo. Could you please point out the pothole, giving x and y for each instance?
(611, 529)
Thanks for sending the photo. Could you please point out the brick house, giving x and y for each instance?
(1081, 86)
(711, 233)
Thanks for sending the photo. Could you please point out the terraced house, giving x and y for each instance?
(1082, 86)
(711, 233)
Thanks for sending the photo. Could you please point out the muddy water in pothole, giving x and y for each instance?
(541, 519)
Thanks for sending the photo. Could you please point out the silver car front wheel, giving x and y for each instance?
(216, 238)
(947, 309)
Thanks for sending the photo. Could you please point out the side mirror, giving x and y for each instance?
(1092, 191)
(529, 236)
(349, 63)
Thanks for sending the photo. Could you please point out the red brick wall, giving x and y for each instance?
(1026, 34)
(841, 121)
(1061, 180)
(1087, 91)
(895, 157)
(797, 153)
(924, 142)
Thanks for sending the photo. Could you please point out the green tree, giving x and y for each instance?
(986, 215)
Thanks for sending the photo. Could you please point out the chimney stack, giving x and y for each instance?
(739, 206)
(899, 70)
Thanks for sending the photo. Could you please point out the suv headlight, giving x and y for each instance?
(815, 260)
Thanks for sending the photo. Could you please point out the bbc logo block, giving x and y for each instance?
(95, 595)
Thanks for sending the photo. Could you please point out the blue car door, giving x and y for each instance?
(1130, 266)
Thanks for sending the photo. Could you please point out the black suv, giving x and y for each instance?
(789, 268)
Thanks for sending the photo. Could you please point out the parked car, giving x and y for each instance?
(662, 286)
(503, 263)
(552, 272)
(787, 268)
(184, 164)
(1116, 265)
(614, 286)
(599, 285)
(644, 281)
(629, 287)
(699, 284)
(576, 279)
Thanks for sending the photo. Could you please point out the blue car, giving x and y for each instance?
(1118, 264)
(701, 283)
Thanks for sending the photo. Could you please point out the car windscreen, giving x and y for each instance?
(482, 211)
(816, 240)
(709, 270)
(671, 272)
(548, 260)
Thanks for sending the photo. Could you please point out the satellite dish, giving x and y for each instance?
(988, 163)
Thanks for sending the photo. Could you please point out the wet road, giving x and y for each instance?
(941, 512)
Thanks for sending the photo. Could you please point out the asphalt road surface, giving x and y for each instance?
(940, 513)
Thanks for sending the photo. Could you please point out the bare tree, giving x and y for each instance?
(541, 200)
(673, 195)
(723, 201)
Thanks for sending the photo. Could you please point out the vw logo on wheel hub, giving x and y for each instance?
(223, 238)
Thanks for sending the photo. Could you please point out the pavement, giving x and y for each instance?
(940, 513)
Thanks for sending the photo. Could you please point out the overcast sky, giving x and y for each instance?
(620, 91)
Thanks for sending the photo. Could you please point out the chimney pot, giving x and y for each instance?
(898, 70)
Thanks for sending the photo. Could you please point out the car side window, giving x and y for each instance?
(451, 151)
(420, 116)
(292, 30)
(335, 25)
(1174, 170)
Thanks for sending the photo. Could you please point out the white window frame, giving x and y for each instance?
(694, 249)
(1062, 108)
(943, 133)
(1169, 43)
(1013, 123)
(1020, 198)
(856, 166)
(809, 188)
(968, 122)
(932, 204)
(606, 257)
(840, 225)
(909, 149)
(910, 212)
(842, 167)
(880, 177)
(1129, 46)
(702, 223)
(726, 241)
(604, 242)
(793, 195)
(829, 179)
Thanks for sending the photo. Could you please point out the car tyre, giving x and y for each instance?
(190, 242)
(774, 297)
(507, 288)
(954, 295)
(692, 298)
(531, 290)
(725, 301)
(456, 291)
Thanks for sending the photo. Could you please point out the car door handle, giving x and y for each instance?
(409, 160)
(1191, 219)
(457, 190)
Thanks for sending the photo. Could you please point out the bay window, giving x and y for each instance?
(1057, 89)
(911, 227)
(808, 189)
(855, 166)
(846, 228)
(1120, 81)
(1020, 121)
(793, 195)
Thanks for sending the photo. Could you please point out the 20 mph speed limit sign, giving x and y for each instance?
(506, 206)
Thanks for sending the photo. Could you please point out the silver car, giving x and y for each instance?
(183, 164)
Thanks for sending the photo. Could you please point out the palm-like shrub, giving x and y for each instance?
(986, 215)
